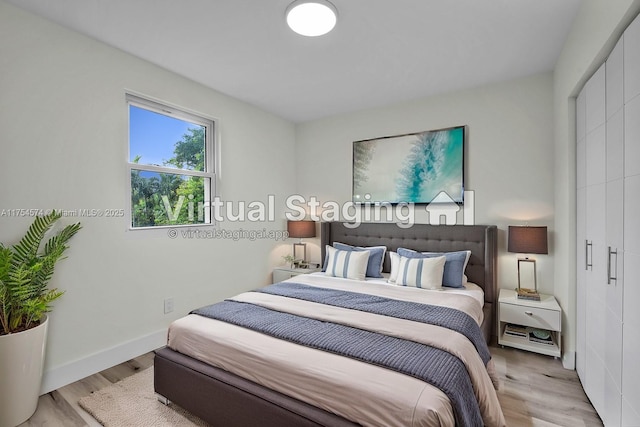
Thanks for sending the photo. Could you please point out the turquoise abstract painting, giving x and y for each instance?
(411, 168)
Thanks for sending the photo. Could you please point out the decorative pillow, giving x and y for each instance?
(454, 276)
(425, 273)
(376, 257)
(395, 266)
(346, 264)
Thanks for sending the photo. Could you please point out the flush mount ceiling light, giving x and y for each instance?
(311, 17)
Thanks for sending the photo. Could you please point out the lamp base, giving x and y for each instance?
(300, 252)
(525, 272)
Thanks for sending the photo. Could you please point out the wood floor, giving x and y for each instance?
(534, 391)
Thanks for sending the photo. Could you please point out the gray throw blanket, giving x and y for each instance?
(429, 364)
(450, 318)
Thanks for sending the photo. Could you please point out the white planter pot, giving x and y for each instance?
(21, 364)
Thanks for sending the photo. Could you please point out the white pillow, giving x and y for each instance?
(425, 273)
(347, 264)
(395, 266)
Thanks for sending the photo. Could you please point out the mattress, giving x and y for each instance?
(364, 393)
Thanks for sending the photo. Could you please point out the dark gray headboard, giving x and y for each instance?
(481, 240)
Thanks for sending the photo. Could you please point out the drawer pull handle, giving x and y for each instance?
(528, 313)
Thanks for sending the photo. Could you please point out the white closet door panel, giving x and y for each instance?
(596, 100)
(581, 164)
(596, 230)
(632, 60)
(581, 297)
(596, 322)
(630, 415)
(612, 404)
(596, 152)
(613, 301)
(615, 215)
(581, 116)
(594, 386)
(615, 79)
(596, 283)
(615, 289)
(613, 350)
(632, 216)
(581, 230)
(632, 137)
(631, 337)
(615, 146)
(581, 340)
(615, 259)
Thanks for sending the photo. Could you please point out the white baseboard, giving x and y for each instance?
(74, 371)
(569, 360)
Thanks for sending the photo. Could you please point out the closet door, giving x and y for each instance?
(632, 61)
(581, 238)
(631, 330)
(614, 236)
(631, 310)
(596, 273)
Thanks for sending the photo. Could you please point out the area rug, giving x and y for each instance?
(132, 403)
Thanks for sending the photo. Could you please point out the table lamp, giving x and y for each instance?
(528, 240)
(301, 229)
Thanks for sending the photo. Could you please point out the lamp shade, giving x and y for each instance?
(301, 229)
(528, 240)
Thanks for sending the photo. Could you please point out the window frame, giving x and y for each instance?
(209, 172)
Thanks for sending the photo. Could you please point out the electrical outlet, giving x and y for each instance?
(168, 305)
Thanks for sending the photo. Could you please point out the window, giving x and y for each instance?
(171, 165)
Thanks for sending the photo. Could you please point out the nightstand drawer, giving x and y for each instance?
(530, 316)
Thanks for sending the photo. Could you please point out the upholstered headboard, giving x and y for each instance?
(481, 240)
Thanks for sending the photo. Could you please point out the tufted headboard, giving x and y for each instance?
(481, 240)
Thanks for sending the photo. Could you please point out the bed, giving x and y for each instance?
(227, 395)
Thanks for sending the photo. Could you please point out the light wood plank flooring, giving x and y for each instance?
(534, 391)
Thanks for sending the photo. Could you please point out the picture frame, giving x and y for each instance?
(421, 168)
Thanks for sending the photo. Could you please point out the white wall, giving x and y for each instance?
(510, 157)
(63, 139)
(595, 30)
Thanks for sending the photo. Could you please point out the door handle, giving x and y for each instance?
(588, 245)
(609, 276)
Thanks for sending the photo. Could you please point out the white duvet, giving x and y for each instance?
(364, 393)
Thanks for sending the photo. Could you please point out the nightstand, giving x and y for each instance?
(523, 323)
(284, 273)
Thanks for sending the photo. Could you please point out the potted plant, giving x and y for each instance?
(290, 260)
(25, 270)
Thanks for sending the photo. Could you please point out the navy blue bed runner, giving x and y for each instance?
(447, 317)
(432, 365)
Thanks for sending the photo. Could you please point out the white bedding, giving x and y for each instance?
(470, 289)
(364, 393)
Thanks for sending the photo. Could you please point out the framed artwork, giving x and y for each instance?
(423, 167)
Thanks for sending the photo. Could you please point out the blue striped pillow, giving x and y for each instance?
(376, 257)
(453, 269)
(346, 264)
(425, 273)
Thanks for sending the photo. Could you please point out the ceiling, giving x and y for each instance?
(381, 52)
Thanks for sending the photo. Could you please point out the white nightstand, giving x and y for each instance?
(284, 273)
(528, 315)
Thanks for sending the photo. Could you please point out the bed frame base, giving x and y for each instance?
(224, 399)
